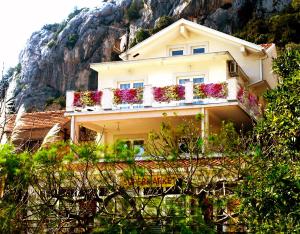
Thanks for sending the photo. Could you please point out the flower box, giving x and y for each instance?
(87, 98)
(128, 96)
(217, 90)
(169, 93)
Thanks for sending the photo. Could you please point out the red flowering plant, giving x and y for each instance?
(249, 100)
(76, 100)
(87, 98)
(128, 96)
(218, 90)
(169, 93)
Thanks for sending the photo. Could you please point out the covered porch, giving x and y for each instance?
(132, 125)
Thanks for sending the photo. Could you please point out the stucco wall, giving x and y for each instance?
(249, 63)
(213, 71)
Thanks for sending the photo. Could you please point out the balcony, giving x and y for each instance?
(163, 97)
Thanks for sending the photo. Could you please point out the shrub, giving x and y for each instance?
(51, 43)
(140, 35)
(281, 28)
(75, 12)
(51, 27)
(162, 23)
(61, 100)
(72, 39)
(133, 11)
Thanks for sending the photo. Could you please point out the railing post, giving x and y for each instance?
(232, 89)
(148, 96)
(69, 101)
(107, 99)
(189, 92)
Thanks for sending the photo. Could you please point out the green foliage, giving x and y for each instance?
(143, 34)
(162, 23)
(281, 28)
(133, 12)
(289, 62)
(61, 101)
(14, 177)
(72, 39)
(270, 193)
(51, 27)
(140, 36)
(75, 12)
(51, 43)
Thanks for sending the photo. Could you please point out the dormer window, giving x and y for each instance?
(198, 50)
(177, 51)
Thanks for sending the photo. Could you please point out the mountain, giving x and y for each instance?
(57, 57)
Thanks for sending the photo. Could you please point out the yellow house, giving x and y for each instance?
(185, 69)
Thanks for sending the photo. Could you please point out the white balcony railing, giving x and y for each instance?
(148, 96)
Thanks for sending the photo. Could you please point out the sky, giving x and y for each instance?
(20, 18)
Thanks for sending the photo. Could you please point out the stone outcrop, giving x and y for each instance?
(57, 57)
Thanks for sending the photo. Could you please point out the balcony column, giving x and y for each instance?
(148, 96)
(232, 88)
(74, 131)
(107, 99)
(189, 92)
(69, 101)
(204, 127)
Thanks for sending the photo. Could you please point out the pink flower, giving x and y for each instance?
(128, 96)
(76, 100)
(241, 94)
(253, 100)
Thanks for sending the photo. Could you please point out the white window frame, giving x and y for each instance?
(198, 45)
(191, 77)
(131, 82)
(176, 47)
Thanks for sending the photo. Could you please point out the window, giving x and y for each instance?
(138, 85)
(198, 80)
(176, 52)
(125, 86)
(137, 145)
(198, 50)
(182, 81)
(194, 79)
(131, 84)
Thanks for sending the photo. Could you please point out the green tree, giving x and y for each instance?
(270, 191)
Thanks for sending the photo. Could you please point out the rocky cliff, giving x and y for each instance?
(57, 57)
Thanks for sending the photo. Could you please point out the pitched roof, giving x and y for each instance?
(37, 120)
(195, 26)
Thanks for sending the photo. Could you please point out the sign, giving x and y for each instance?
(151, 181)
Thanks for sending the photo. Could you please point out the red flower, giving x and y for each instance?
(241, 94)
(76, 100)
(253, 100)
(128, 96)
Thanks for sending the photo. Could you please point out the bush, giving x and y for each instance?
(140, 35)
(281, 28)
(72, 39)
(61, 100)
(162, 23)
(133, 11)
(51, 27)
(51, 43)
(289, 62)
(75, 12)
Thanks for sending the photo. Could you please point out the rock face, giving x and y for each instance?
(57, 57)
